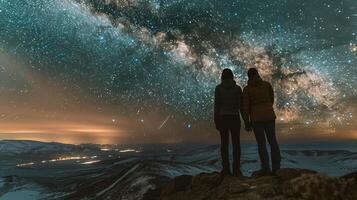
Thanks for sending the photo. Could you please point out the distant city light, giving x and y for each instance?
(55, 160)
(90, 162)
(129, 150)
(25, 164)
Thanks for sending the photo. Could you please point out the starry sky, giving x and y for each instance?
(137, 71)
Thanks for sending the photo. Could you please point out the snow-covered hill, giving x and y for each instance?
(129, 171)
(17, 147)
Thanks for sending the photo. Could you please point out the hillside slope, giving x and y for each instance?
(292, 184)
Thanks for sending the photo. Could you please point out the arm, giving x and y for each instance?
(271, 93)
(216, 106)
(246, 106)
(241, 105)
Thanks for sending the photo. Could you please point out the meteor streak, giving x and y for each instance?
(164, 122)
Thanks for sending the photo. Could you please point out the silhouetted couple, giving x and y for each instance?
(255, 105)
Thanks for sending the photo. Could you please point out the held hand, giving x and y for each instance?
(248, 127)
(218, 127)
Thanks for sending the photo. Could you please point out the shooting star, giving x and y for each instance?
(164, 122)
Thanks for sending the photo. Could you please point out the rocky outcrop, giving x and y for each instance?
(291, 184)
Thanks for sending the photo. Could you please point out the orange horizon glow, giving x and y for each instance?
(106, 132)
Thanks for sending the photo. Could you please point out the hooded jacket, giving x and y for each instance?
(258, 100)
(228, 99)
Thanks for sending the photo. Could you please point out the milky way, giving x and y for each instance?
(166, 55)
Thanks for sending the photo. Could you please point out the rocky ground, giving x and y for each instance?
(291, 184)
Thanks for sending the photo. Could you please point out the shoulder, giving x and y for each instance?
(238, 88)
(246, 88)
(267, 84)
(218, 87)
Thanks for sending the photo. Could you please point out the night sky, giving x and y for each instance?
(132, 71)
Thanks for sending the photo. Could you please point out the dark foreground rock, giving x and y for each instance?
(290, 184)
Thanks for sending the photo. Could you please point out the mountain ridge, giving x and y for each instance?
(288, 183)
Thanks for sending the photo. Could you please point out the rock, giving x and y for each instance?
(211, 180)
(179, 183)
(259, 173)
(288, 173)
(182, 182)
(292, 184)
(238, 187)
(350, 176)
(153, 194)
(320, 186)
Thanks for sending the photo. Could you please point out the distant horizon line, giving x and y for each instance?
(283, 142)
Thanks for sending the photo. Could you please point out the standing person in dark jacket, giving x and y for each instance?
(258, 101)
(227, 108)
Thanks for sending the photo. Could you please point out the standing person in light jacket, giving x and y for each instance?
(258, 101)
(228, 101)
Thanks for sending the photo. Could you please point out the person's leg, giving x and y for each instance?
(235, 134)
(258, 129)
(274, 146)
(224, 132)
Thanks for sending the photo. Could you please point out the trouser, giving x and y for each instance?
(263, 131)
(230, 124)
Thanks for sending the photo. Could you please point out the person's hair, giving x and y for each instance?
(252, 72)
(227, 74)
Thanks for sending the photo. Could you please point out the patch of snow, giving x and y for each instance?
(25, 146)
(117, 181)
(22, 194)
(2, 183)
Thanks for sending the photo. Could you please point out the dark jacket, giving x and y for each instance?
(258, 100)
(228, 100)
